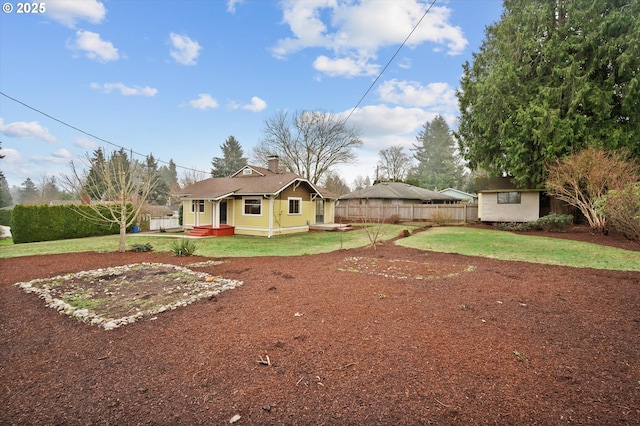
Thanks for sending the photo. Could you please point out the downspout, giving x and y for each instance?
(270, 232)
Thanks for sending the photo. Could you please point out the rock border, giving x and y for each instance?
(209, 285)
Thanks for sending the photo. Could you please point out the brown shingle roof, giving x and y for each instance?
(398, 190)
(266, 183)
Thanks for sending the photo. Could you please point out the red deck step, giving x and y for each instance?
(210, 231)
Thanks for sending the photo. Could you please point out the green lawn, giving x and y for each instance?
(237, 246)
(462, 240)
(526, 248)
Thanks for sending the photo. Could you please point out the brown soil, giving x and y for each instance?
(385, 336)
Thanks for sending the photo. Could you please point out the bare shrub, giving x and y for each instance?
(441, 217)
(583, 178)
(394, 218)
(622, 210)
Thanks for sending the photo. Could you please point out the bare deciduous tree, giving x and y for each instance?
(115, 189)
(582, 179)
(191, 176)
(394, 164)
(308, 143)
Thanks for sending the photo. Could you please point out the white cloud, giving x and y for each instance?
(26, 130)
(231, 5)
(357, 29)
(84, 143)
(184, 50)
(440, 96)
(94, 47)
(56, 157)
(256, 105)
(347, 67)
(124, 89)
(68, 12)
(204, 101)
(380, 122)
(11, 156)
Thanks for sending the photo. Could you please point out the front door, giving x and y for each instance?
(319, 211)
(223, 212)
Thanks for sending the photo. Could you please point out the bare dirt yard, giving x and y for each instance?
(357, 337)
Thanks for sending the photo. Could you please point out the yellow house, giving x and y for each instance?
(255, 201)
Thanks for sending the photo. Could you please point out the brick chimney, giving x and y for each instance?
(273, 163)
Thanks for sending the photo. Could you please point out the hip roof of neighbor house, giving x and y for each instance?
(397, 190)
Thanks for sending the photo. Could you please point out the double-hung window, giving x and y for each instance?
(509, 197)
(252, 206)
(197, 206)
(295, 205)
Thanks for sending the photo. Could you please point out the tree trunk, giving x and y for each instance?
(123, 229)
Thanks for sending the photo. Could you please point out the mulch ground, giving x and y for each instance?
(489, 342)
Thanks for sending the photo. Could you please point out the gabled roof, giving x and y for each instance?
(260, 181)
(398, 191)
(457, 191)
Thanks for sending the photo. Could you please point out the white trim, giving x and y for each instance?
(244, 199)
(299, 199)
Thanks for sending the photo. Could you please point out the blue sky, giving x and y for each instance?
(176, 78)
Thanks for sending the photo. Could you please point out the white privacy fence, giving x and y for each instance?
(158, 223)
(464, 213)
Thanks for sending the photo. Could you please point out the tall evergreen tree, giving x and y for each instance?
(5, 193)
(94, 184)
(159, 193)
(438, 167)
(169, 175)
(28, 192)
(551, 77)
(231, 161)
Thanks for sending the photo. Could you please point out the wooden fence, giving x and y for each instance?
(464, 212)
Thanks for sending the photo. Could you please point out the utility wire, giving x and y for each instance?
(390, 61)
(90, 134)
(192, 169)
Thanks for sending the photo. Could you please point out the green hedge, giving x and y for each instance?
(5, 217)
(47, 223)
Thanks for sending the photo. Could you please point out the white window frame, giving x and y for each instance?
(510, 197)
(299, 200)
(200, 203)
(245, 205)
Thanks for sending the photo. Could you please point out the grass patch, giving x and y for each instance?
(237, 246)
(525, 248)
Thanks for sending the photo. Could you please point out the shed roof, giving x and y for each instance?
(397, 190)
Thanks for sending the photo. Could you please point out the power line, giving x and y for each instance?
(390, 61)
(200, 171)
(90, 134)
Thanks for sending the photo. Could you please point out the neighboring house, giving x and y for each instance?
(255, 201)
(464, 196)
(396, 193)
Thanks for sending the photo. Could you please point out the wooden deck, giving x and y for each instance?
(210, 231)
